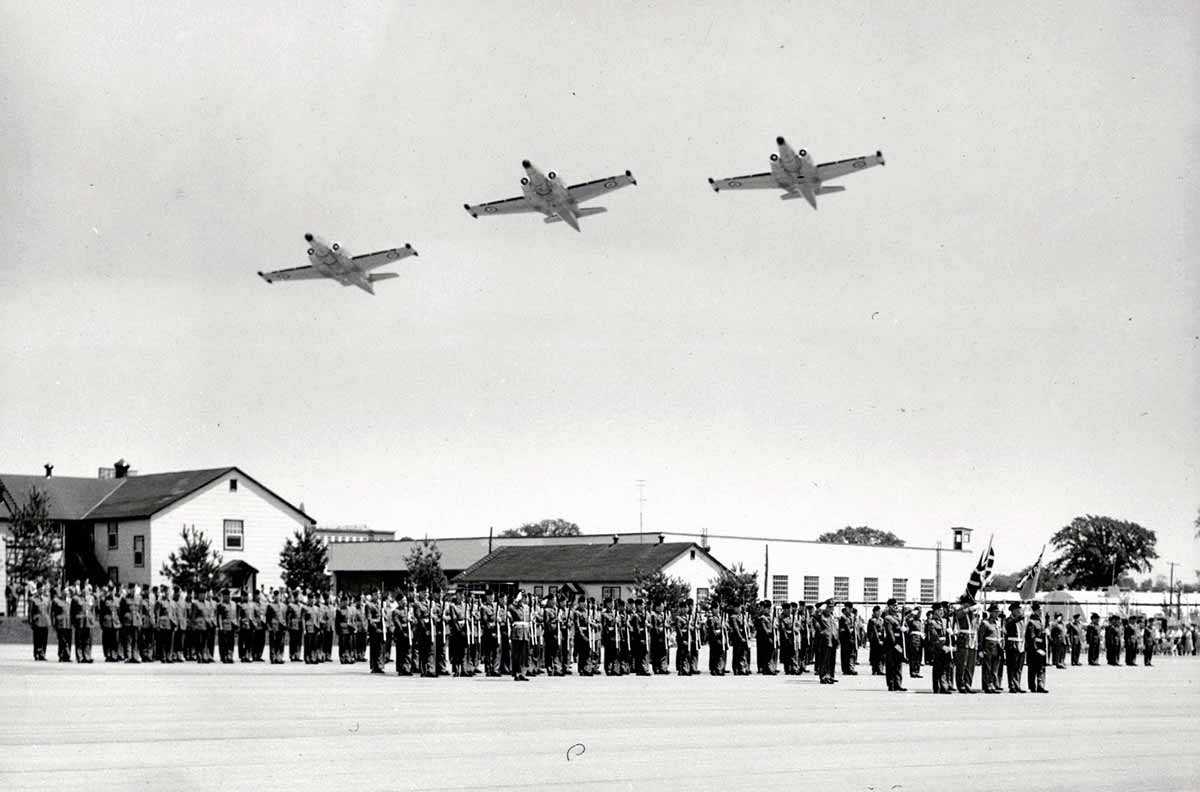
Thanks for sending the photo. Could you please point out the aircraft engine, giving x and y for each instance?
(552, 175)
(335, 246)
(311, 251)
(524, 181)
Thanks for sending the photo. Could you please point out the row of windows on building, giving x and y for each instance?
(841, 589)
(233, 532)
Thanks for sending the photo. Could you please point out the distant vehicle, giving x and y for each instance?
(795, 174)
(547, 194)
(330, 261)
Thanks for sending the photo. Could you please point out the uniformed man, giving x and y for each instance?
(582, 628)
(128, 612)
(991, 639)
(1014, 646)
(344, 627)
(1036, 649)
(1112, 640)
(441, 643)
(402, 636)
(456, 622)
(1148, 640)
(519, 623)
(295, 626)
(875, 641)
(1058, 641)
(717, 631)
(39, 615)
(1092, 633)
(610, 639)
(739, 641)
(147, 603)
(504, 653)
(358, 616)
(624, 637)
(373, 617)
(656, 627)
(108, 612)
(915, 633)
(549, 646)
(60, 617)
(275, 619)
(164, 626)
(83, 619)
(847, 640)
(1132, 641)
(806, 637)
(937, 643)
(685, 639)
(328, 611)
(1075, 638)
(423, 635)
(489, 635)
(825, 644)
(965, 636)
(193, 625)
(893, 647)
(227, 625)
(787, 629)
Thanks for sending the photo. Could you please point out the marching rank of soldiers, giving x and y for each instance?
(464, 634)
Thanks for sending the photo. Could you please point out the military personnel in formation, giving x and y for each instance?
(610, 639)
(991, 640)
(1148, 640)
(110, 622)
(60, 617)
(504, 651)
(807, 649)
(686, 637)
(275, 619)
(129, 617)
(893, 647)
(583, 625)
(1132, 640)
(423, 629)
(344, 626)
(789, 632)
(1014, 647)
(193, 626)
(965, 632)
(656, 628)
(825, 644)
(1112, 640)
(227, 624)
(938, 643)
(739, 641)
(1075, 638)
(83, 619)
(295, 626)
(149, 629)
(489, 636)
(519, 621)
(847, 640)
(456, 623)
(1093, 634)
(402, 636)
(914, 628)
(1036, 649)
(875, 641)
(373, 617)
(40, 617)
(1058, 641)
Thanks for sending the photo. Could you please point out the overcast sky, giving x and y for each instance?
(998, 330)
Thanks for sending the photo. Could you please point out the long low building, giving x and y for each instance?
(788, 569)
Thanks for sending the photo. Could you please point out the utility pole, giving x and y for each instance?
(1171, 590)
(641, 485)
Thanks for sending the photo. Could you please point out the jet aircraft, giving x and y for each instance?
(547, 194)
(795, 174)
(330, 261)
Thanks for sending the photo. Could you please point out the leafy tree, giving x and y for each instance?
(35, 547)
(424, 564)
(195, 565)
(1094, 551)
(862, 535)
(555, 527)
(1049, 580)
(735, 586)
(659, 587)
(303, 560)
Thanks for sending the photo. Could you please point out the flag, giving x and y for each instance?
(982, 574)
(1029, 582)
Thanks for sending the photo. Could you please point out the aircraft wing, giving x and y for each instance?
(832, 170)
(295, 273)
(507, 206)
(369, 261)
(755, 181)
(597, 187)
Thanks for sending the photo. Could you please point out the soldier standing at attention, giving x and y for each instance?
(259, 622)
(937, 642)
(991, 638)
(1014, 646)
(739, 642)
(787, 638)
(341, 623)
(245, 629)
(964, 646)
(402, 627)
(550, 638)
(1058, 641)
(1131, 641)
(110, 621)
(1092, 633)
(193, 625)
(893, 646)
(358, 617)
(519, 621)
(227, 622)
(457, 623)
(146, 604)
(83, 617)
(610, 640)
(127, 612)
(373, 616)
(423, 630)
(39, 618)
(1112, 640)
(717, 628)
(1148, 640)
(875, 641)
(685, 639)
(915, 631)
(1036, 649)
(581, 626)
(489, 636)
(1075, 638)
(847, 641)
(295, 626)
(60, 617)
(504, 650)
(163, 621)
(276, 624)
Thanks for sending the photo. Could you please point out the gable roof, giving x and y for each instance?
(577, 563)
(132, 497)
(389, 555)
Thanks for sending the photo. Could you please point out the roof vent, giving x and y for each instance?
(616, 538)
(120, 469)
(661, 537)
(49, 469)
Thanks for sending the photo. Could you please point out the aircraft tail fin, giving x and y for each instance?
(378, 276)
(584, 212)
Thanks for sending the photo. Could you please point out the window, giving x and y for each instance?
(870, 589)
(113, 576)
(233, 485)
(779, 588)
(841, 589)
(701, 595)
(233, 534)
(927, 592)
(812, 588)
(139, 551)
(610, 592)
(112, 536)
(900, 588)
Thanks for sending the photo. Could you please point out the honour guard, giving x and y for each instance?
(40, 617)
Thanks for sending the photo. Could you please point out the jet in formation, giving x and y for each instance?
(547, 194)
(795, 174)
(331, 261)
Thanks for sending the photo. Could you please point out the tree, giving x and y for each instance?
(195, 565)
(34, 549)
(659, 587)
(1048, 580)
(424, 564)
(555, 527)
(735, 586)
(303, 560)
(862, 535)
(1095, 551)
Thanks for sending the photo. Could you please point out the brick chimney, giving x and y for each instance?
(121, 468)
(49, 469)
(616, 538)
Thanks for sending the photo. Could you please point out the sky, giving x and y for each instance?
(999, 329)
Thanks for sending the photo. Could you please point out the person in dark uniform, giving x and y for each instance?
(440, 634)
(275, 620)
(1148, 641)
(489, 636)
(60, 617)
(327, 611)
(656, 623)
(110, 623)
(1014, 647)
(1075, 638)
(582, 629)
(402, 636)
(179, 625)
(739, 641)
(40, 618)
(504, 651)
(147, 602)
(965, 635)
(373, 616)
(295, 626)
(519, 622)
(788, 633)
(83, 619)
(1092, 634)
(610, 639)
(422, 627)
(227, 625)
(805, 612)
(193, 644)
(258, 623)
(550, 638)
(915, 636)
(991, 639)
(685, 638)
(824, 641)
(938, 643)
(1058, 641)
(848, 640)
(1036, 649)
(1112, 640)
(358, 618)
(456, 623)
(1132, 641)
(343, 626)
(127, 612)
(875, 641)
(893, 647)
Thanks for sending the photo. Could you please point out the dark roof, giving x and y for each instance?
(579, 563)
(457, 554)
(70, 498)
(74, 498)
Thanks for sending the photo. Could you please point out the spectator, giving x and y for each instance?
(10, 600)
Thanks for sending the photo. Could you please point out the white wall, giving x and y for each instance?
(267, 524)
(122, 557)
(697, 572)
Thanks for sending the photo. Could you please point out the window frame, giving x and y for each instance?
(113, 529)
(776, 580)
(114, 575)
(868, 594)
(900, 592)
(702, 594)
(241, 535)
(841, 594)
(932, 589)
(813, 594)
(139, 563)
(233, 485)
(610, 593)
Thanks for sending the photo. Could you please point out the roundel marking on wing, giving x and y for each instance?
(393, 254)
(858, 163)
(735, 183)
(611, 184)
(489, 210)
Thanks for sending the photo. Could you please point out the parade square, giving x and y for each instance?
(291, 727)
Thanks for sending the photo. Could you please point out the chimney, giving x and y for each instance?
(616, 538)
(121, 469)
(49, 469)
(661, 537)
